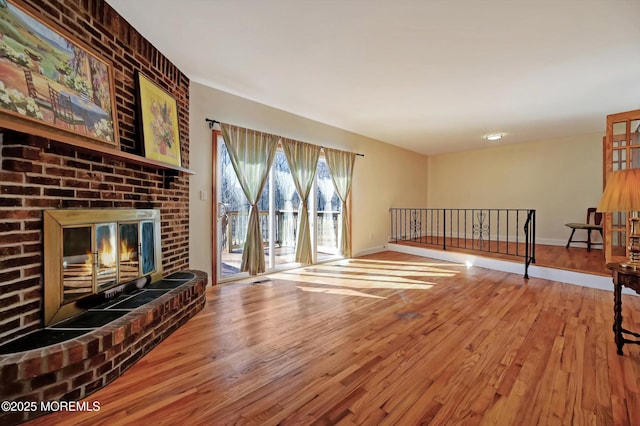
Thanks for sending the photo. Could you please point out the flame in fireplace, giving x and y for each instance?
(107, 253)
(126, 252)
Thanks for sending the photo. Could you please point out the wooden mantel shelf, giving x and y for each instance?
(89, 146)
(117, 154)
(131, 158)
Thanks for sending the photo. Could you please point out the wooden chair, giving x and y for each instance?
(33, 92)
(588, 226)
(61, 106)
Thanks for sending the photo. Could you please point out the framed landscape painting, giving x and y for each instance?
(158, 122)
(50, 83)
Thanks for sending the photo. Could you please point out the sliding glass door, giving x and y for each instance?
(279, 207)
(232, 215)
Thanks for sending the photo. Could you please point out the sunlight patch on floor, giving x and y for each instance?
(377, 269)
(355, 281)
(350, 277)
(406, 263)
(338, 291)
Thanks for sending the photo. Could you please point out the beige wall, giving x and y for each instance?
(387, 176)
(559, 178)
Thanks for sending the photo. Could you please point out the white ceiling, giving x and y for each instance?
(433, 76)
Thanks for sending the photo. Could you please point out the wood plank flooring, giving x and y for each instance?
(387, 339)
(572, 259)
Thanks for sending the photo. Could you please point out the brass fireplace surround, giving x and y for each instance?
(56, 308)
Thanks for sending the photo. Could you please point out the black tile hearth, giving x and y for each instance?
(139, 299)
(98, 315)
(109, 303)
(180, 276)
(90, 319)
(166, 284)
(39, 339)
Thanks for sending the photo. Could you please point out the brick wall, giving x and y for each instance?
(38, 173)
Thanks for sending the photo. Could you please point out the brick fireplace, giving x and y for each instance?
(37, 173)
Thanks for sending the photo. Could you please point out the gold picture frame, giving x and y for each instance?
(158, 122)
(51, 84)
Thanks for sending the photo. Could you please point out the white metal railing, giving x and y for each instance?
(286, 229)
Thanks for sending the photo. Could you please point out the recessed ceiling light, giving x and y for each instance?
(494, 136)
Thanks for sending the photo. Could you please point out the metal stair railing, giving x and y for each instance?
(502, 231)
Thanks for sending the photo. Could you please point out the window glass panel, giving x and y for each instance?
(619, 159)
(634, 155)
(616, 159)
(287, 207)
(265, 223)
(328, 213)
(619, 219)
(233, 227)
(619, 133)
(235, 220)
(618, 243)
(635, 132)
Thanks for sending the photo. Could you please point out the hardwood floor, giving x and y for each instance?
(573, 259)
(389, 339)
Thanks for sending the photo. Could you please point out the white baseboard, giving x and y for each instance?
(551, 242)
(370, 250)
(570, 277)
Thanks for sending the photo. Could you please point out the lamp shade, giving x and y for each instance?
(622, 193)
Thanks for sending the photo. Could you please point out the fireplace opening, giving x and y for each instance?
(90, 255)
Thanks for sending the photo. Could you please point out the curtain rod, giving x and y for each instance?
(213, 123)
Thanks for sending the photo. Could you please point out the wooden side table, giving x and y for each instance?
(629, 278)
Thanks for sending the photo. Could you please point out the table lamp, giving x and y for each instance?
(622, 194)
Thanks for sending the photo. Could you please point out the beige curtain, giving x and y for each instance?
(303, 162)
(340, 165)
(251, 153)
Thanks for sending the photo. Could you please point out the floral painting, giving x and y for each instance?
(50, 83)
(158, 122)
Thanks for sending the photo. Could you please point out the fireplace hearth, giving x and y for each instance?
(98, 315)
(75, 357)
